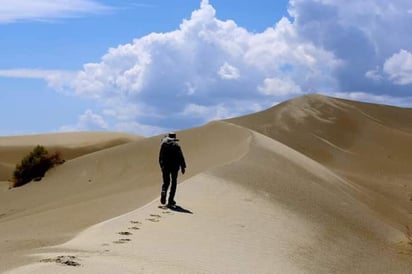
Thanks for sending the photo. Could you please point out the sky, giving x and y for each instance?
(152, 66)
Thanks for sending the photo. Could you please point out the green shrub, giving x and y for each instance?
(34, 165)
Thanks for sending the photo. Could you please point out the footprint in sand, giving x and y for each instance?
(134, 228)
(121, 241)
(125, 233)
(153, 220)
(65, 260)
(135, 222)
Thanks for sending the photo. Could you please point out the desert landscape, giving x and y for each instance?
(312, 185)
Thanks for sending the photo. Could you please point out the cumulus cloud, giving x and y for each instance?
(211, 69)
(228, 72)
(374, 74)
(399, 67)
(23, 10)
(362, 34)
(91, 120)
(279, 87)
(55, 78)
(87, 121)
(205, 63)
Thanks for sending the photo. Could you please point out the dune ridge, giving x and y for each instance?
(336, 231)
(367, 144)
(125, 177)
(303, 187)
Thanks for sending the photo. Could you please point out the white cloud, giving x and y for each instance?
(360, 33)
(159, 78)
(166, 72)
(221, 111)
(279, 87)
(87, 121)
(228, 72)
(399, 67)
(18, 10)
(374, 74)
(89, 117)
(55, 78)
(208, 68)
(90, 120)
(145, 130)
(28, 73)
(206, 112)
(372, 98)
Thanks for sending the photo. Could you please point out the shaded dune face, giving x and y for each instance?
(368, 145)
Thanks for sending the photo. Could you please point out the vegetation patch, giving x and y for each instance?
(34, 165)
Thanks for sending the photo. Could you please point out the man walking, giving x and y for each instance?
(171, 160)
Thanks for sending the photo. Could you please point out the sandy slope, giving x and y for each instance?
(311, 193)
(369, 145)
(219, 233)
(101, 185)
(303, 220)
(70, 145)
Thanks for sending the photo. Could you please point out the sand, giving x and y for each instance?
(69, 144)
(304, 187)
(209, 237)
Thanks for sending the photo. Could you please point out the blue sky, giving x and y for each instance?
(148, 67)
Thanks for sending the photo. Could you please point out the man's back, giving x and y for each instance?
(171, 155)
(170, 160)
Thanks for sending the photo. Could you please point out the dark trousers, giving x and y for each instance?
(170, 175)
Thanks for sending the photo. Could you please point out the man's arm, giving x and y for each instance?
(182, 161)
(161, 155)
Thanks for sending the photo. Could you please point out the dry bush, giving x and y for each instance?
(34, 165)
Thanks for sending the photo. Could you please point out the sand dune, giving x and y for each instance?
(101, 185)
(369, 145)
(313, 185)
(70, 145)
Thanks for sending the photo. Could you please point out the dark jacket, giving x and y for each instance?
(171, 155)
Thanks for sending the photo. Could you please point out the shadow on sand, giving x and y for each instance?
(177, 208)
(180, 209)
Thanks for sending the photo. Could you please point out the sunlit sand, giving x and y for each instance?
(312, 185)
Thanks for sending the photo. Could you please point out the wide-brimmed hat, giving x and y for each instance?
(172, 135)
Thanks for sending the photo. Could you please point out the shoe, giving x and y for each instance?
(163, 197)
(171, 203)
